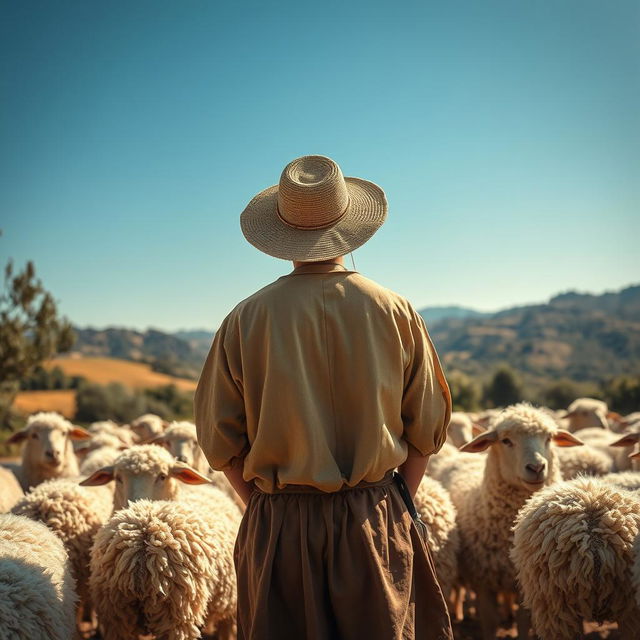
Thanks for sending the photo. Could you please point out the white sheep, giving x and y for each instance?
(584, 413)
(123, 433)
(37, 597)
(461, 429)
(48, 449)
(181, 440)
(584, 461)
(520, 461)
(572, 549)
(436, 510)
(625, 447)
(628, 480)
(101, 450)
(74, 514)
(147, 427)
(166, 568)
(10, 489)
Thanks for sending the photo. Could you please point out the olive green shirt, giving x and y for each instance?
(321, 379)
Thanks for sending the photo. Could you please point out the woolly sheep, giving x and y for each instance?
(461, 429)
(10, 489)
(101, 450)
(520, 461)
(572, 549)
(147, 427)
(438, 513)
(145, 471)
(48, 450)
(166, 568)
(37, 597)
(628, 480)
(74, 514)
(626, 447)
(123, 434)
(583, 413)
(585, 461)
(181, 440)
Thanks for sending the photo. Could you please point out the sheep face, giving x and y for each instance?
(48, 444)
(630, 441)
(147, 427)
(521, 447)
(145, 472)
(584, 413)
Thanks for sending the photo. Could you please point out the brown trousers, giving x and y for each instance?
(336, 566)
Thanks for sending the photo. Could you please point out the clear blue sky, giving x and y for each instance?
(132, 134)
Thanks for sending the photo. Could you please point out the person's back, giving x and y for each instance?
(316, 388)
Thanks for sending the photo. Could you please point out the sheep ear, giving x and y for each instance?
(613, 415)
(567, 414)
(78, 433)
(480, 443)
(99, 477)
(627, 440)
(18, 436)
(159, 439)
(565, 439)
(186, 474)
(477, 429)
(635, 455)
(165, 424)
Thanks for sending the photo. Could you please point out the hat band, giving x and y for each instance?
(313, 227)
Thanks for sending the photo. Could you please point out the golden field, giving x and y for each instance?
(101, 371)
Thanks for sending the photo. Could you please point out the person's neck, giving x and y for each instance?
(339, 261)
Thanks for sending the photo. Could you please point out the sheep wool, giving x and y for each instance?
(572, 548)
(74, 514)
(37, 597)
(438, 513)
(585, 461)
(166, 568)
(10, 490)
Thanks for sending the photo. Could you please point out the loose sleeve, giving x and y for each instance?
(219, 402)
(426, 403)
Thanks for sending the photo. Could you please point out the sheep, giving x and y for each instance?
(520, 461)
(74, 514)
(48, 450)
(437, 511)
(10, 490)
(37, 597)
(166, 568)
(626, 446)
(628, 480)
(147, 427)
(181, 440)
(585, 460)
(461, 429)
(572, 549)
(587, 412)
(125, 435)
(100, 451)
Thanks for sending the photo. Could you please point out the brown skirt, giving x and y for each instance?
(328, 566)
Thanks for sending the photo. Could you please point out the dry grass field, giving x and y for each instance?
(64, 402)
(130, 374)
(101, 371)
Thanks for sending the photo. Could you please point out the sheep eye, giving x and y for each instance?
(118, 479)
(162, 477)
(34, 436)
(507, 442)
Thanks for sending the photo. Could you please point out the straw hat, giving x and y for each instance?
(314, 213)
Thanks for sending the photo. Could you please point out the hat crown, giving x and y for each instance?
(312, 193)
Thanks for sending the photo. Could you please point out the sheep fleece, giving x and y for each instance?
(572, 550)
(160, 567)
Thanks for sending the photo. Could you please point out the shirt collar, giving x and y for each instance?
(318, 268)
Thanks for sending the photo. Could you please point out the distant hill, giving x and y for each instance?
(583, 337)
(166, 353)
(579, 336)
(432, 315)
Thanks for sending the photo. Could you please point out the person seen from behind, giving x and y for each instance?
(316, 388)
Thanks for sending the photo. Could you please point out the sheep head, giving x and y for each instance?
(520, 446)
(145, 472)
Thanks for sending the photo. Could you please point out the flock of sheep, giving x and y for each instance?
(529, 513)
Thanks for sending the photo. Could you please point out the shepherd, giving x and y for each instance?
(315, 390)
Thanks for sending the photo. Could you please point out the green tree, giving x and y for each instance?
(623, 393)
(30, 332)
(503, 389)
(465, 393)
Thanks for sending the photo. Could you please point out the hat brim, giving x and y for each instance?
(265, 230)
